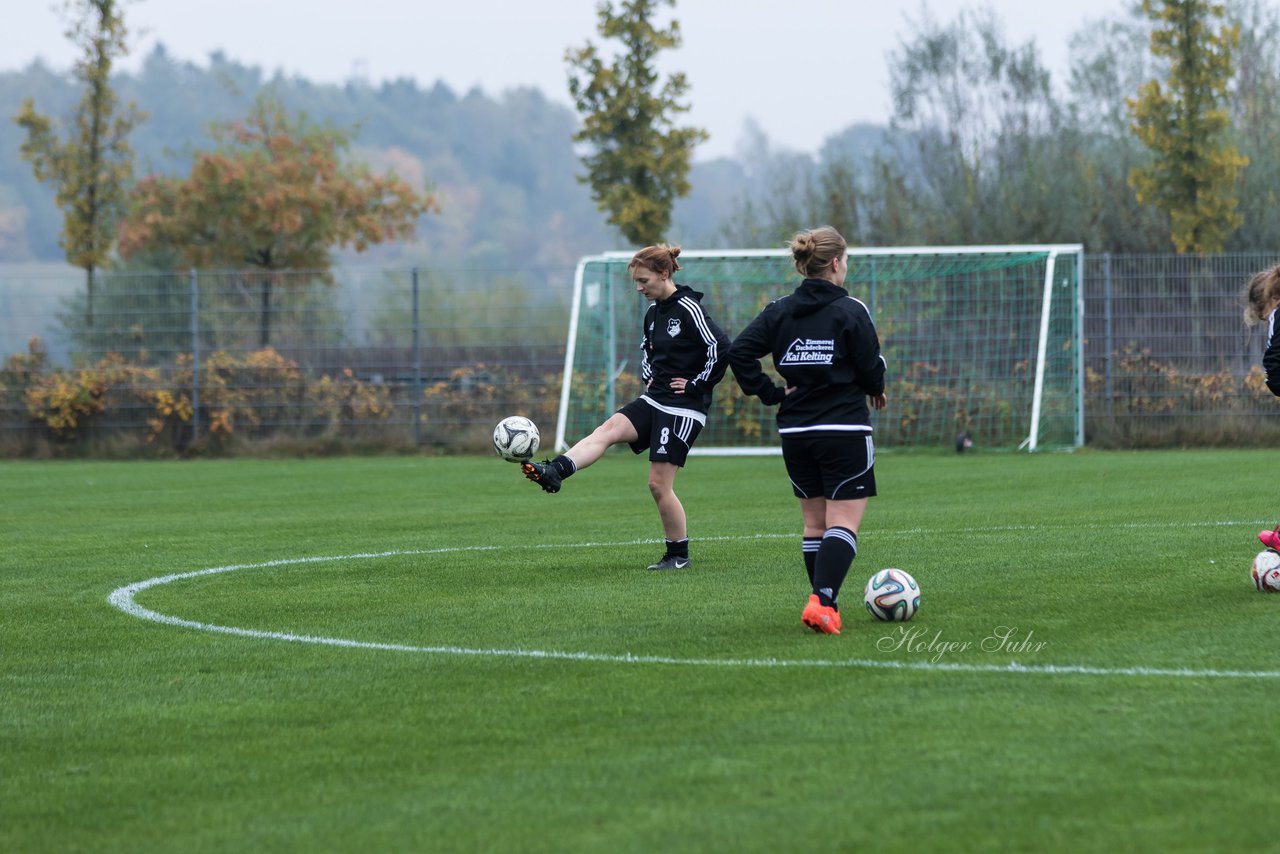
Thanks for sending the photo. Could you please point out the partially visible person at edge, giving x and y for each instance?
(1262, 298)
(682, 359)
(824, 345)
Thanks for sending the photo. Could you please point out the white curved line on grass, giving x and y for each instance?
(123, 598)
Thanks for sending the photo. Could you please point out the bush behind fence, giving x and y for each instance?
(219, 362)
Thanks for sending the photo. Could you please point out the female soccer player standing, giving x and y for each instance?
(682, 359)
(1262, 298)
(825, 346)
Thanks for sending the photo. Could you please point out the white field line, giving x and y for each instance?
(123, 598)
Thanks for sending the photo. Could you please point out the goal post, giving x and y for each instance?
(984, 341)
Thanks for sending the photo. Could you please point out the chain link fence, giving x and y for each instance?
(392, 359)
(1168, 359)
(431, 358)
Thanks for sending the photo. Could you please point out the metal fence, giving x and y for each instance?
(399, 358)
(1168, 358)
(432, 358)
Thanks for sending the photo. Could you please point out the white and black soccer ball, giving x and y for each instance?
(1266, 571)
(516, 438)
(892, 595)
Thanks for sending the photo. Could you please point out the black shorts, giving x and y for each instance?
(839, 468)
(667, 432)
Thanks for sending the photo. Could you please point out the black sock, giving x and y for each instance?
(809, 547)
(839, 548)
(564, 466)
(678, 548)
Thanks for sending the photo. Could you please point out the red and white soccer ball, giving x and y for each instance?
(1266, 571)
(515, 438)
(892, 595)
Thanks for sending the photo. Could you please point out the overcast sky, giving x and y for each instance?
(801, 69)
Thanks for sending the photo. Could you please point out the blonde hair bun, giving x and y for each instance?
(813, 250)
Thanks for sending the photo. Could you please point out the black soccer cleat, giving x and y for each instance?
(544, 474)
(671, 562)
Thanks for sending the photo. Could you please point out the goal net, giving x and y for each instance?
(981, 342)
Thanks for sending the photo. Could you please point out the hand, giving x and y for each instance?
(678, 385)
(786, 391)
(877, 401)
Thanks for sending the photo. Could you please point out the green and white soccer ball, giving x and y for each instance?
(515, 439)
(892, 595)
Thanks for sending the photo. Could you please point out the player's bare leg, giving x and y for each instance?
(846, 514)
(814, 513)
(616, 429)
(662, 478)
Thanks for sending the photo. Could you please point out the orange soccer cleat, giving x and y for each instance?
(823, 619)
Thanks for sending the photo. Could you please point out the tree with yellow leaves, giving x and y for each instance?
(1193, 171)
(639, 160)
(91, 168)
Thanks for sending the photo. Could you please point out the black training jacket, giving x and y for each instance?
(680, 340)
(1271, 358)
(824, 344)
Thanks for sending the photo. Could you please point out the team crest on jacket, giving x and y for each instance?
(673, 327)
(809, 351)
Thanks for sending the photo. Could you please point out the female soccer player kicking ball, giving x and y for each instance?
(682, 359)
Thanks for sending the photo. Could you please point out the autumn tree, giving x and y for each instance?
(274, 194)
(1192, 174)
(91, 166)
(638, 162)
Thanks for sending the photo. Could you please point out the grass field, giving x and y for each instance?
(430, 654)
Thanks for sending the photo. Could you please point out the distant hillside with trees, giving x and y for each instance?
(503, 166)
(983, 147)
